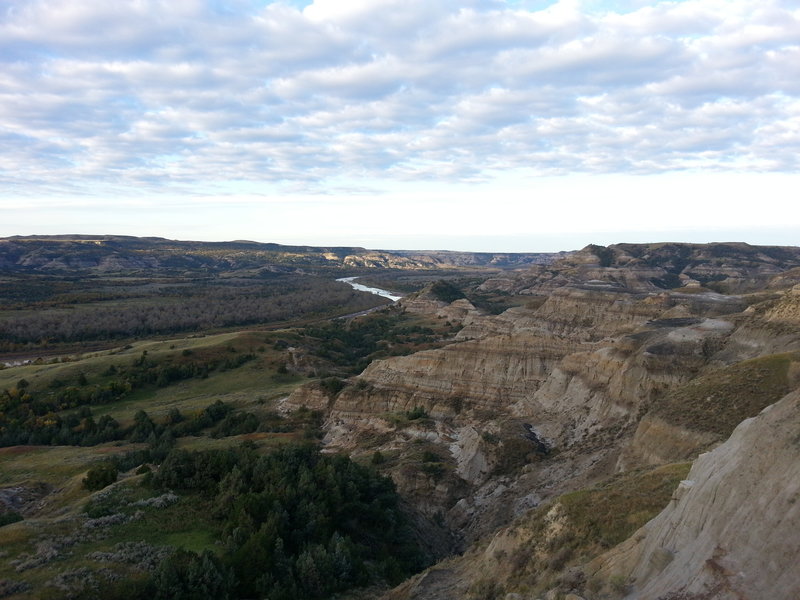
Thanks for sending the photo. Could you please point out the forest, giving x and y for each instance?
(293, 524)
(41, 311)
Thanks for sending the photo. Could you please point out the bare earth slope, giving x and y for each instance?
(731, 529)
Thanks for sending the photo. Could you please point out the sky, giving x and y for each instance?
(481, 125)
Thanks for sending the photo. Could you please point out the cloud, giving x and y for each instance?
(150, 95)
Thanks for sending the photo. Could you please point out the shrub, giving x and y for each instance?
(417, 412)
(619, 584)
(428, 456)
(10, 517)
(100, 476)
(433, 469)
(446, 291)
(332, 386)
(186, 575)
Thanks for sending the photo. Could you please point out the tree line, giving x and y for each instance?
(32, 417)
(354, 344)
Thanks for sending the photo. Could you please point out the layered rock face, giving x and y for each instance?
(731, 526)
(583, 361)
(575, 373)
(490, 374)
(608, 371)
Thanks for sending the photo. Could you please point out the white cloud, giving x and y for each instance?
(154, 97)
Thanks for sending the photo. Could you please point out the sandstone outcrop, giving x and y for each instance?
(311, 396)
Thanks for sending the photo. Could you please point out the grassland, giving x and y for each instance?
(253, 387)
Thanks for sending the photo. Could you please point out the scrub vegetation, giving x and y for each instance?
(169, 471)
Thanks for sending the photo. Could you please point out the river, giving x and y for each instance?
(371, 290)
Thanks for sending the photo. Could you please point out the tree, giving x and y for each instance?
(186, 576)
(100, 476)
(143, 427)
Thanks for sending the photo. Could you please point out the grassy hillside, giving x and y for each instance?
(719, 401)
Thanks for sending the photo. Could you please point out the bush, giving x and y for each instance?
(428, 456)
(417, 412)
(446, 291)
(332, 386)
(10, 517)
(100, 476)
(186, 575)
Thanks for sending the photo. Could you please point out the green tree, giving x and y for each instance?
(187, 576)
(100, 476)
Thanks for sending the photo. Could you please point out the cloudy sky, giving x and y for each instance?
(472, 124)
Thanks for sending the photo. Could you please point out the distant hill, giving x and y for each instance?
(113, 253)
(727, 267)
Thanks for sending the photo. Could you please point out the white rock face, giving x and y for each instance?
(732, 530)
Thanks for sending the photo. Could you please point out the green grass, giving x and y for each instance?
(264, 441)
(194, 540)
(53, 464)
(186, 524)
(92, 364)
(252, 386)
(256, 385)
(718, 402)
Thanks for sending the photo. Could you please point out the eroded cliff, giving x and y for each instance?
(624, 358)
(730, 530)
